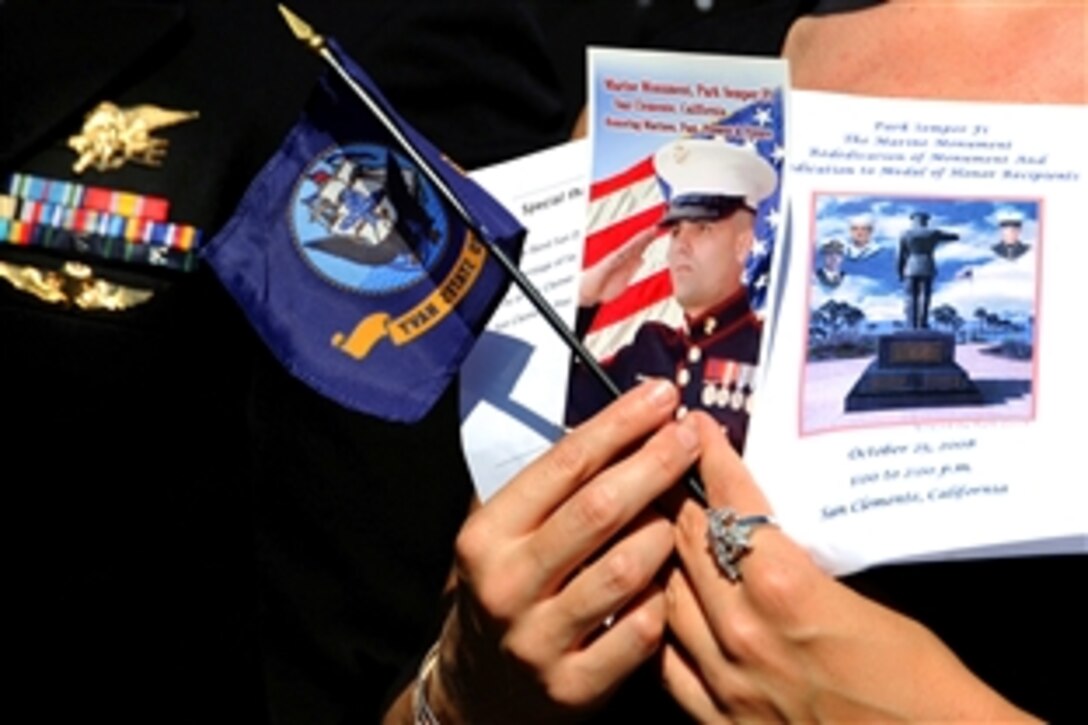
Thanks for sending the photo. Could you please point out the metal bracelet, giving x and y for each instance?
(422, 714)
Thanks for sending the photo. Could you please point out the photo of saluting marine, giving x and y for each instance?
(713, 189)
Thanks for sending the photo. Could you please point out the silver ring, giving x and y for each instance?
(729, 535)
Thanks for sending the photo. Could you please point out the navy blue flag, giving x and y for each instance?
(353, 267)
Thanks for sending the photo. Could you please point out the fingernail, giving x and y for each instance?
(687, 434)
(661, 393)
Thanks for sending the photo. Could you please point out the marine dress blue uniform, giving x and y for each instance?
(711, 358)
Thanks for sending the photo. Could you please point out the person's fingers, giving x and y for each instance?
(633, 637)
(688, 624)
(634, 245)
(638, 243)
(617, 270)
(766, 580)
(727, 480)
(779, 581)
(728, 484)
(537, 491)
(593, 514)
(725, 679)
(685, 686)
(604, 587)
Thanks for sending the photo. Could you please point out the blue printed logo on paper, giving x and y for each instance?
(366, 220)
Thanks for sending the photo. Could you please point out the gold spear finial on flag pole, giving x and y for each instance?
(302, 30)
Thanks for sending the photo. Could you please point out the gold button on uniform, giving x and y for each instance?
(683, 377)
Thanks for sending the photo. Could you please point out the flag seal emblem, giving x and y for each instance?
(365, 220)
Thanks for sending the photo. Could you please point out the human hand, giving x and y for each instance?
(568, 543)
(787, 641)
(606, 279)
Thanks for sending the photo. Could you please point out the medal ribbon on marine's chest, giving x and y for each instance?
(727, 384)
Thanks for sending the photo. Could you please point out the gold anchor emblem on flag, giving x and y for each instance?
(112, 135)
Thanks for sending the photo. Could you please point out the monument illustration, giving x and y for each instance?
(915, 367)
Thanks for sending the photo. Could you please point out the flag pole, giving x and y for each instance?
(316, 42)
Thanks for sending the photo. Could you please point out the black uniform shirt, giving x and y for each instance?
(134, 594)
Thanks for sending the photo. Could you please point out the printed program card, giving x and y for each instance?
(926, 392)
(681, 227)
(513, 380)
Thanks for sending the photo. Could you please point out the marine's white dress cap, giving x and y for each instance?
(704, 176)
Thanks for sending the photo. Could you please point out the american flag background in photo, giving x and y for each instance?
(632, 200)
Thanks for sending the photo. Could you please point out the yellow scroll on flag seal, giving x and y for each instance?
(423, 316)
